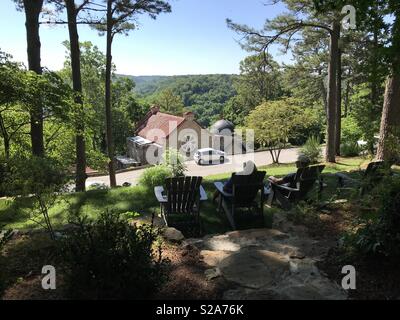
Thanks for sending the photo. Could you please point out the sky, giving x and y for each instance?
(192, 39)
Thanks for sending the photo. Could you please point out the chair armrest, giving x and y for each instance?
(220, 187)
(158, 191)
(284, 187)
(203, 194)
(344, 179)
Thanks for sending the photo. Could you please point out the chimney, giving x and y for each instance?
(154, 109)
(189, 116)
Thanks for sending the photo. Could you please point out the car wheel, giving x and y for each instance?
(200, 162)
(222, 159)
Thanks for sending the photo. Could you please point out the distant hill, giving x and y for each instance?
(205, 95)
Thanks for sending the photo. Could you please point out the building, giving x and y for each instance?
(225, 139)
(158, 131)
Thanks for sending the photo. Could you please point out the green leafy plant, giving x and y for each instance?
(312, 149)
(349, 149)
(175, 162)
(41, 179)
(381, 236)
(111, 259)
(155, 176)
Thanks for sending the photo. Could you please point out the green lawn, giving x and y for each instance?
(15, 213)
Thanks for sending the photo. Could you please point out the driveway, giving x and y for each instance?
(232, 163)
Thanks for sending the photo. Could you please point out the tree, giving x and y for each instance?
(121, 18)
(276, 122)
(381, 15)
(32, 9)
(259, 81)
(169, 102)
(285, 27)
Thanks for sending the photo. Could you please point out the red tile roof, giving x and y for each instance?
(160, 121)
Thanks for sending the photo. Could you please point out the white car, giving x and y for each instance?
(209, 156)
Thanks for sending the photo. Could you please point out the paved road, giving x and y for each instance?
(232, 163)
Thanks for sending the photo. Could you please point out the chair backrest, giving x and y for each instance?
(245, 187)
(305, 179)
(373, 168)
(182, 194)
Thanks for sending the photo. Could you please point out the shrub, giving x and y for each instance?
(312, 149)
(381, 236)
(349, 149)
(39, 178)
(350, 131)
(111, 259)
(175, 162)
(154, 176)
(5, 236)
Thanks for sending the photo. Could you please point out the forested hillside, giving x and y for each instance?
(205, 95)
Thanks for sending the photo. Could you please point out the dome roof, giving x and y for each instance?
(222, 127)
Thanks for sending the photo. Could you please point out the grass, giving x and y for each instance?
(15, 213)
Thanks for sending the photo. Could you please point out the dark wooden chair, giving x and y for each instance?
(374, 172)
(304, 181)
(244, 193)
(180, 202)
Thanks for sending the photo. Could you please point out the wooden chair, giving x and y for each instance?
(244, 193)
(303, 182)
(181, 200)
(373, 174)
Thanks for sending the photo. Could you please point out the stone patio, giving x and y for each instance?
(268, 263)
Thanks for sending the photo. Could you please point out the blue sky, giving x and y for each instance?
(193, 39)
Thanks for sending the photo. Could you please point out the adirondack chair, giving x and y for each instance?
(244, 193)
(180, 202)
(373, 174)
(304, 181)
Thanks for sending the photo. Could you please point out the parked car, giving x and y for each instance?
(209, 156)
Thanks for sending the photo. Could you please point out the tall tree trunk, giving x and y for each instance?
(390, 121)
(33, 9)
(332, 92)
(390, 118)
(339, 103)
(6, 139)
(80, 178)
(109, 133)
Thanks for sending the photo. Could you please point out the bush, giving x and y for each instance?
(5, 236)
(155, 176)
(111, 259)
(312, 149)
(42, 179)
(349, 149)
(175, 162)
(350, 130)
(381, 236)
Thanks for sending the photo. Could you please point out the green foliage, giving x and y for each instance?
(169, 102)
(349, 149)
(381, 236)
(205, 95)
(110, 259)
(39, 178)
(275, 122)
(175, 162)
(312, 149)
(5, 236)
(155, 176)
(351, 132)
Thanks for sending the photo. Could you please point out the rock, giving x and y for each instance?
(254, 268)
(221, 243)
(326, 218)
(212, 273)
(340, 201)
(172, 234)
(214, 258)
